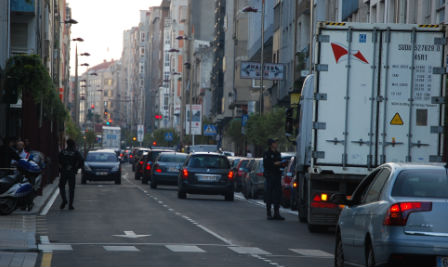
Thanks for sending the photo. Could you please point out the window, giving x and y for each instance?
(361, 190)
(375, 188)
(421, 183)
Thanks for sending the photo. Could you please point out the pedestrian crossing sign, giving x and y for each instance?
(169, 136)
(210, 130)
(396, 120)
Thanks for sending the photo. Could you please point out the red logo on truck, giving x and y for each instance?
(340, 51)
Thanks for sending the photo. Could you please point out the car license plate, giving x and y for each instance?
(101, 173)
(442, 261)
(173, 169)
(207, 178)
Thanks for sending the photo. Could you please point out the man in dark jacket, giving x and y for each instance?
(272, 162)
(70, 160)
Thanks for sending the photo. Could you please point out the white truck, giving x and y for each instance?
(111, 137)
(377, 95)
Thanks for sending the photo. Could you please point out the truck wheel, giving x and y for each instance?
(302, 212)
(315, 228)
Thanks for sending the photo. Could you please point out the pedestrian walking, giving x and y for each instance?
(272, 162)
(70, 160)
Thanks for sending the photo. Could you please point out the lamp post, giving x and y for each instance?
(79, 39)
(254, 10)
(190, 91)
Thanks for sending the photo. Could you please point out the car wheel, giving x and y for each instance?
(144, 179)
(253, 193)
(83, 180)
(153, 184)
(229, 196)
(118, 181)
(181, 195)
(339, 252)
(370, 255)
(137, 175)
(292, 202)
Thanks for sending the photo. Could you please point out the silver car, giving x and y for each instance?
(398, 215)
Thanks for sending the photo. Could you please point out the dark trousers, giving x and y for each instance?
(273, 193)
(71, 179)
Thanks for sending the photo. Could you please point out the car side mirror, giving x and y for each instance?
(340, 199)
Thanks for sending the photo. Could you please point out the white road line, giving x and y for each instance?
(261, 203)
(312, 252)
(249, 250)
(121, 248)
(182, 248)
(228, 242)
(54, 247)
(49, 203)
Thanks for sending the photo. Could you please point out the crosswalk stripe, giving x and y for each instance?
(184, 248)
(121, 248)
(311, 252)
(51, 247)
(249, 250)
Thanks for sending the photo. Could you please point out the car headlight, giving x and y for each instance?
(116, 168)
(87, 167)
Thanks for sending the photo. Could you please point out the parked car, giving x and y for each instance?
(287, 176)
(166, 168)
(147, 163)
(397, 215)
(254, 182)
(206, 173)
(101, 166)
(240, 171)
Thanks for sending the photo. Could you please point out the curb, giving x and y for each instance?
(51, 188)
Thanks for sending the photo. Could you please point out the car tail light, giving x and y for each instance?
(398, 213)
(230, 175)
(148, 166)
(141, 163)
(121, 155)
(260, 174)
(320, 201)
(131, 156)
(185, 173)
(157, 168)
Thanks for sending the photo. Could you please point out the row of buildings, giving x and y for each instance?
(191, 51)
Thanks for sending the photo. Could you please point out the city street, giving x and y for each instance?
(133, 225)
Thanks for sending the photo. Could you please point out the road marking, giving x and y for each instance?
(249, 250)
(121, 248)
(54, 247)
(312, 252)
(261, 203)
(183, 248)
(44, 240)
(266, 260)
(46, 259)
(131, 234)
(49, 203)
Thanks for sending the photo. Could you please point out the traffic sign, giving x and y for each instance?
(140, 133)
(252, 70)
(169, 136)
(396, 120)
(210, 130)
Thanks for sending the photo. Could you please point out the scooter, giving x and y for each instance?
(20, 189)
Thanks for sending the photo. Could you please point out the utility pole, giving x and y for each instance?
(262, 58)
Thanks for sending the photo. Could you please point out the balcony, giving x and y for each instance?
(24, 6)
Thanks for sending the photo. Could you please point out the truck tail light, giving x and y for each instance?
(230, 175)
(320, 201)
(185, 174)
(398, 213)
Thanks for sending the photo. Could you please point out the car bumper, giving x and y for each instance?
(92, 176)
(207, 189)
(399, 247)
(165, 178)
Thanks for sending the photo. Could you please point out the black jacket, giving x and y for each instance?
(270, 169)
(70, 161)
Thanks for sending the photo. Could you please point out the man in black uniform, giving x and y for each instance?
(70, 160)
(272, 162)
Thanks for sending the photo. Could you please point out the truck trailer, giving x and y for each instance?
(376, 95)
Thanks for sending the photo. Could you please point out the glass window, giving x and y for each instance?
(375, 188)
(361, 190)
(421, 183)
(172, 158)
(101, 157)
(209, 162)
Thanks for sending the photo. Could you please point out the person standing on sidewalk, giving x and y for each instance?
(272, 162)
(70, 160)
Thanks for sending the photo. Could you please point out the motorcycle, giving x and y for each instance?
(20, 189)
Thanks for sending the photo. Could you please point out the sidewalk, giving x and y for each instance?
(18, 245)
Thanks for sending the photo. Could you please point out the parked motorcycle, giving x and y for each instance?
(20, 189)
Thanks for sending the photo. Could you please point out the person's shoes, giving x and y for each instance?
(278, 217)
(71, 207)
(63, 205)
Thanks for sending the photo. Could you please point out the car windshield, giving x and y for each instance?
(205, 148)
(153, 155)
(172, 158)
(209, 162)
(101, 157)
(421, 183)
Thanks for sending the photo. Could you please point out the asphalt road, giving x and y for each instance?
(133, 225)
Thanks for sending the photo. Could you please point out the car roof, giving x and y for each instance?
(207, 153)
(101, 151)
(415, 165)
(173, 153)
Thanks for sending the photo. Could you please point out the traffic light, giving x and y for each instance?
(154, 143)
(92, 106)
(134, 138)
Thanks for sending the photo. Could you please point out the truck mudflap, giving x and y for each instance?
(320, 188)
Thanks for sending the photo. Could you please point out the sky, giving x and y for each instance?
(101, 24)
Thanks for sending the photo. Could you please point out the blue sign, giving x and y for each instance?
(168, 136)
(244, 119)
(362, 38)
(210, 130)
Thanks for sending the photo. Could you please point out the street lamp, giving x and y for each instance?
(254, 10)
(79, 39)
(70, 21)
